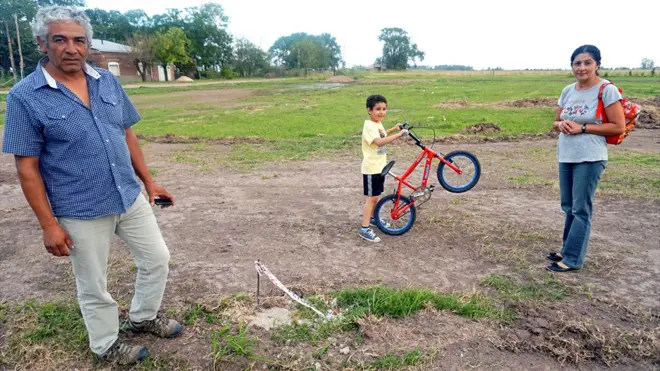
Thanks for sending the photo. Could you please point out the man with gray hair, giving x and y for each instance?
(69, 127)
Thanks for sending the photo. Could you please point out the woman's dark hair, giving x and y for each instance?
(372, 100)
(592, 50)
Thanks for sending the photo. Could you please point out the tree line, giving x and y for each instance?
(195, 39)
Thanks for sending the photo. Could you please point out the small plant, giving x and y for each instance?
(227, 342)
(197, 312)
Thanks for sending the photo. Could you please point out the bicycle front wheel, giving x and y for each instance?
(470, 168)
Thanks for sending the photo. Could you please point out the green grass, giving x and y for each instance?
(632, 174)
(57, 323)
(396, 362)
(197, 312)
(301, 116)
(386, 302)
(230, 341)
(399, 303)
(547, 288)
(42, 331)
(529, 179)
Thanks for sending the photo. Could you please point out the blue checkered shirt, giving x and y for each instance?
(83, 156)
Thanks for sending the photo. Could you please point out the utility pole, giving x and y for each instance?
(11, 52)
(20, 52)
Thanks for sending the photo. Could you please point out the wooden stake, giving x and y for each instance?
(258, 282)
(20, 52)
(11, 52)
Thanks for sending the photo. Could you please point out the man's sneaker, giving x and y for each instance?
(159, 326)
(369, 235)
(124, 354)
(372, 221)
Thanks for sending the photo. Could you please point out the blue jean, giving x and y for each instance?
(577, 184)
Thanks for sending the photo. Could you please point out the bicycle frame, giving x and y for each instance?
(429, 154)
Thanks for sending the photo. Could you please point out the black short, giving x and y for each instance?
(374, 184)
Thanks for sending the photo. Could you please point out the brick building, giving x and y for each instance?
(117, 59)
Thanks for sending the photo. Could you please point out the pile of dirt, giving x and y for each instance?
(340, 79)
(649, 118)
(482, 127)
(532, 103)
(453, 104)
(184, 79)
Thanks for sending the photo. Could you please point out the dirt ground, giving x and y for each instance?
(301, 219)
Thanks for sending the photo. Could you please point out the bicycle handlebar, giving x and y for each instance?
(411, 134)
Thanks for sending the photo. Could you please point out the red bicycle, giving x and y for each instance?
(395, 213)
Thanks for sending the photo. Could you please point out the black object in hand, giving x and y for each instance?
(163, 202)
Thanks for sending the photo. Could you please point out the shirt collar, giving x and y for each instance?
(44, 78)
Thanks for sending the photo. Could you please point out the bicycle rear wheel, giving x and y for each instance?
(385, 220)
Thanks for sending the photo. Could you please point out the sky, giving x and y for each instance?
(512, 34)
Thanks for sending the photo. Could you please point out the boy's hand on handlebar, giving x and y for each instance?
(403, 132)
(399, 126)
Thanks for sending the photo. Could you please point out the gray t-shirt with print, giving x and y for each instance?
(580, 107)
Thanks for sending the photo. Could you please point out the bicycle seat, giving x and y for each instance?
(387, 168)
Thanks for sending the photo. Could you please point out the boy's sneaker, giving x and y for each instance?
(369, 235)
(159, 326)
(372, 221)
(124, 354)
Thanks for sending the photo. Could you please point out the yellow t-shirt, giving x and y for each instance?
(374, 158)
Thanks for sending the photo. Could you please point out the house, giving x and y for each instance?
(376, 66)
(117, 59)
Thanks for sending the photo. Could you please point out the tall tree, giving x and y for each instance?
(398, 49)
(647, 64)
(139, 20)
(171, 47)
(249, 58)
(327, 54)
(143, 52)
(211, 44)
(308, 54)
(25, 10)
(110, 25)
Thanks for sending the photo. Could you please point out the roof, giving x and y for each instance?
(106, 46)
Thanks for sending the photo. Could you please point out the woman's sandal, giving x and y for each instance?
(555, 267)
(554, 256)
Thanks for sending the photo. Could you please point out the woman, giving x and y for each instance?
(582, 152)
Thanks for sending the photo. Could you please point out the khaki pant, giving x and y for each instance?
(91, 241)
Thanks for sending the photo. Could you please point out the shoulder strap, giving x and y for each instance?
(600, 111)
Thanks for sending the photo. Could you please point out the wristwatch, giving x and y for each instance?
(584, 128)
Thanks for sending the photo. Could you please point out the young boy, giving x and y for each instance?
(374, 139)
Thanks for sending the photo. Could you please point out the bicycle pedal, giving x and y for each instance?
(431, 187)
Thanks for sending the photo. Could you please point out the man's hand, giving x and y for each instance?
(154, 190)
(57, 241)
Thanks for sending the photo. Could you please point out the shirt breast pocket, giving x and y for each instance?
(111, 109)
(62, 126)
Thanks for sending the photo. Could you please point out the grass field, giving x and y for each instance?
(464, 289)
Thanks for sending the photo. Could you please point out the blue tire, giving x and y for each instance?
(403, 224)
(466, 158)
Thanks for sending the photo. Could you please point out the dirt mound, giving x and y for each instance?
(649, 118)
(340, 79)
(453, 104)
(482, 127)
(184, 79)
(532, 103)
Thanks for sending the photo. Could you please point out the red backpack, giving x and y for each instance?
(631, 112)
